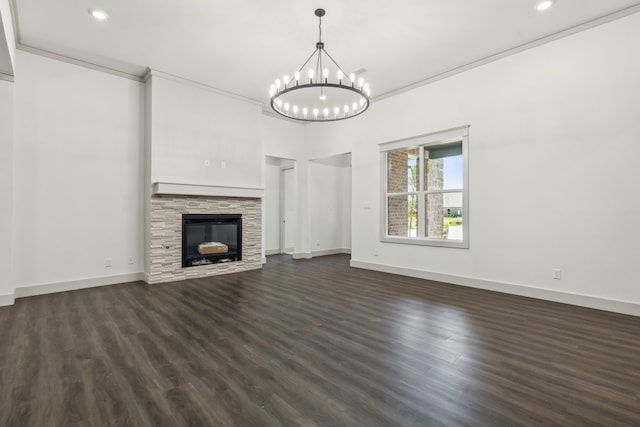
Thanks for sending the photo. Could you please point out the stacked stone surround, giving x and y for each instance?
(166, 235)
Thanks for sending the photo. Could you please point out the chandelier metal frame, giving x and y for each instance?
(321, 112)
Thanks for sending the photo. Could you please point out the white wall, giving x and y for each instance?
(6, 192)
(191, 124)
(282, 138)
(553, 147)
(78, 195)
(330, 204)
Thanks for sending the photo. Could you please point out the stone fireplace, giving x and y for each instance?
(165, 238)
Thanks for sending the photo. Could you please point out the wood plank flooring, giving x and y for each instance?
(313, 343)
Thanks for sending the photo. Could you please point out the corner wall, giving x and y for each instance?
(6, 193)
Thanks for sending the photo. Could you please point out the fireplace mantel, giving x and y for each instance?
(167, 188)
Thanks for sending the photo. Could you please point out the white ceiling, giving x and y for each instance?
(241, 46)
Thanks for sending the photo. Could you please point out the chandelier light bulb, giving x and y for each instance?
(346, 110)
(279, 103)
(361, 102)
(296, 76)
(278, 83)
(304, 112)
(315, 113)
(286, 107)
(352, 78)
(354, 106)
(360, 82)
(325, 112)
(325, 73)
(286, 79)
(272, 91)
(340, 74)
(336, 110)
(323, 97)
(310, 73)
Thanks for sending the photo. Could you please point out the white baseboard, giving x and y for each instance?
(7, 299)
(272, 252)
(264, 259)
(49, 288)
(302, 255)
(331, 252)
(598, 303)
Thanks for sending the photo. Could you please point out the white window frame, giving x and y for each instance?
(459, 134)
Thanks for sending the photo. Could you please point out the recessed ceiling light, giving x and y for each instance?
(543, 5)
(100, 15)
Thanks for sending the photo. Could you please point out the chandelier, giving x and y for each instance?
(325, 93)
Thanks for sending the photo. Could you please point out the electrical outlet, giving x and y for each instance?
(556, 273)
(207, 162)
(107, 262)
(131, 260)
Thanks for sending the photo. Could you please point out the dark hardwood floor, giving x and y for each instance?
(313, 343)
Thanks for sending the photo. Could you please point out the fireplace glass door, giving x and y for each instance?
(211, 238)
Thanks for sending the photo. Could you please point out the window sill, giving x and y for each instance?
(459, 244)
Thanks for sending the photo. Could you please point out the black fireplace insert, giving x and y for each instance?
(211, 238)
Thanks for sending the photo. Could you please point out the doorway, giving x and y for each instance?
(280, 202)
(330, 205)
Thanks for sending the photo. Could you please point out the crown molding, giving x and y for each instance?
(512, 51)
(6, 77)
(269, 113)
(432, 79)
(85, 64)
(156, 73)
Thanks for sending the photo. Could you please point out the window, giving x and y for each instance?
(425, 189)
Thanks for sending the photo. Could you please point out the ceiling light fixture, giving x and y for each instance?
(100, 15)
(543, 5)
(324, 93)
